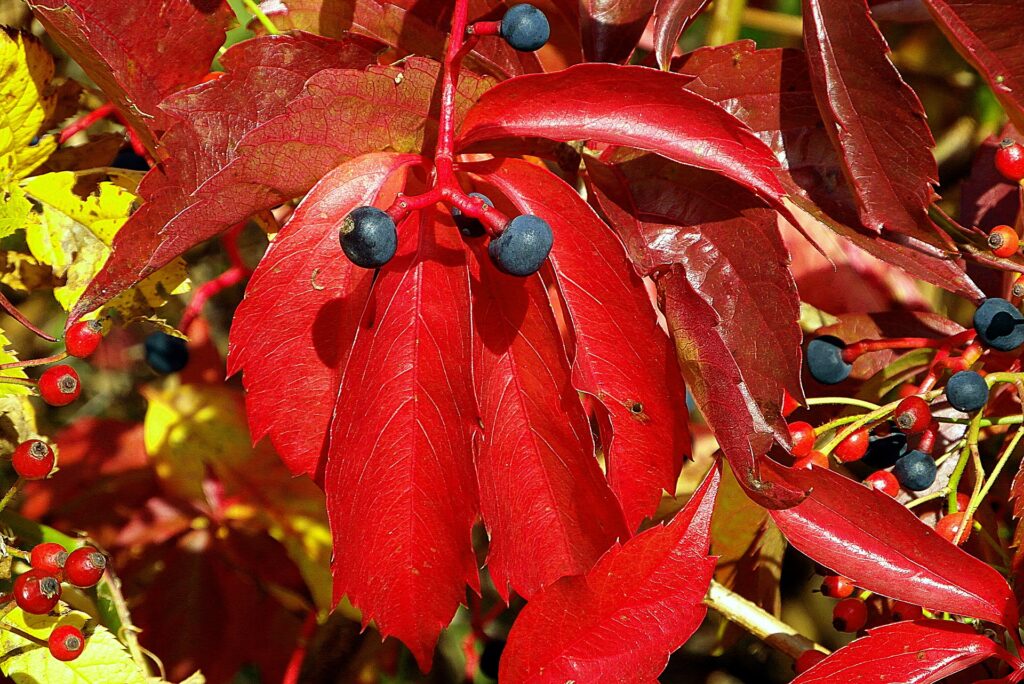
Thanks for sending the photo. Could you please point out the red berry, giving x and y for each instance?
(36, 592)
(949, 525)
(906, 389)
(802, 435)
(853, 447)
(814, 458)
(66, 642)
(83, 337)
(837, 586)
(962, 500)
(33, 459)
(789, 404)
(1010, 160)
(883, 481)
(49, 557)
(913, 415)
(905, 611)
(84, 566)
(850, 615)
(1003, 241)
(59, 385)
(807, 660)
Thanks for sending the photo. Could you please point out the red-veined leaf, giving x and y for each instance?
(622, 357)
(611, 28)
(293, 332)
(401, 493)
(882, 546)
(917, 652)
(620, 621)
(671, 17)
(546, 504)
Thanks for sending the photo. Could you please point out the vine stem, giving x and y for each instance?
(23, 634)
(758, 621)
(34, 362)
(13, 312)
(255, 10)
(128, 632)
(228, 278)
(10, 493)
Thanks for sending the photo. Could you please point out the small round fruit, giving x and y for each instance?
(84, 566)
(807, 660)
(854, 447)
(1003, 241)
(802, 436)
(883, 481)
(850, 615)
(905, 611)
(913, 415)
(33, 459)
(36, 592)
(368, 237)
(471, 227)
(59, 385)
(1009, 160)
(885, 450)
(814, 458)
(999, 324)
(825, 360)
(83, 338)
(66, 642)
(490, 658)
(837, 586)
(525, 28)
(915, 471)
(49, 557)
(166, 353)
(949, 525)
(524, 245)
(967, 391)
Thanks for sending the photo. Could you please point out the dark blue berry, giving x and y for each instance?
(525, 28)
(369, 237)
(825, 360)
(127, 158)
(915, 471)
(884, 451)
(490, 659)
(999, 324)
(470, 227)
(523, 247)
(166, 353)
(967, 391)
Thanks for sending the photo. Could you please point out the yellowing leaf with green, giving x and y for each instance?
(9, 389)
(17, 421)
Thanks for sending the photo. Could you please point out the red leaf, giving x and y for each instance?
(621, 620)
(611, 28)
(621, 355)
(872, 116)
(545, 502)
(401, 493)
(671, 17)
(882, 546)
(979, 31)
(916, 652)
(293, 332)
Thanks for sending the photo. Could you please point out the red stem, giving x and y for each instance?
(294, 669)
(13, 312)
(484, 28)
(855, 350)
(230, 243)
(232, 276)
(35, 362)
(84, 122)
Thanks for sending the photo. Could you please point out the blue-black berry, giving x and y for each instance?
(1000, 324)
(471, 227)
(369, 237)
(523, 247)
(165, 353)
(967, 391)
(825, 360)
(525, 28)
(884, 451)
(915, 471)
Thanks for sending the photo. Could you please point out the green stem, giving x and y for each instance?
(847, 401)
(10, 493)
(961, 464)
(726, 21)
(255, 10)
(926, 498)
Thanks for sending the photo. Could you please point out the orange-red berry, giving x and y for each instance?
(883, 481)
(854, 447)
(33, 459)
(802, 435)
(84, 566)
(850, 615)
(949, 525)
(59, 385)
(913, 415)
(83, 338)
(837, 586)
(66, 642)
(1003, 241)
(49, 557)
(1009, 160)
(36, 592)
(814, 458)
(905, 611)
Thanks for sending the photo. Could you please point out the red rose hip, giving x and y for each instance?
(33, 459)
(83, 338)
(59, 385)
(84, 566)
(36, 592)
(66, 642)
(49, 557)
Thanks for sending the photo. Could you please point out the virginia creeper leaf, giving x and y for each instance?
(7, 389)
(611, 28)
(620, 621)
(622, 357)
(671, 17)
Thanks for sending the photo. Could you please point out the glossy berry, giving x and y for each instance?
(525, 28)
(166, 353)
(84, 566)
(913, 415)
(885, 450)
(837, 586)
(807, 660)
(33, 459)
(850, 615)
(967, 391)
(490, 658)
(802, 436)
(949, 525)
(368, 237)
(915, 471)
(471, 227)
(905, 611)
(883, 481)
(524, 245)
(1003, 241)
(1010, 160)
(49, 557)
(66, 642)
(999, 324)
(83, 338)
(854, 447)
(825, 360)
(36, 592)
(59, 385)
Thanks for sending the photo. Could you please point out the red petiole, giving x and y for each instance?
(13, 312)
(853, 351)
(228, 278)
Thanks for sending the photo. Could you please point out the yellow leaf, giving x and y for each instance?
(6, 356)
(26, 69)
(17, 422)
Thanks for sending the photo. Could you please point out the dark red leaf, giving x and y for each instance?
(401, 492)
(611, 28)
(621, 355)
(293, 332)
(139, 52)
(987, 199)
(620, 621)
(916, 652)
(546, 504)
(882, 546)
(671, 17)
